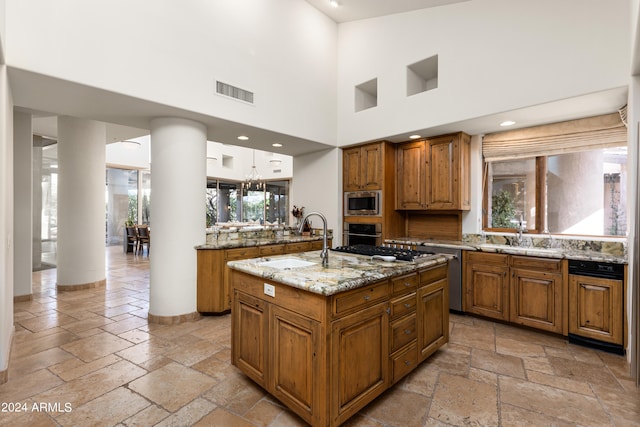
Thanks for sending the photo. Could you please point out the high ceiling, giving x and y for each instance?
(132, 115)
(353, 10)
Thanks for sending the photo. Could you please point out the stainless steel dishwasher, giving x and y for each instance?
(455, 273)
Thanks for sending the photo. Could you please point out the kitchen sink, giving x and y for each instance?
(286, 263)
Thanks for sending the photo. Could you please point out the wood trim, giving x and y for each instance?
(81, 286)
(173, 320)
(23, 298)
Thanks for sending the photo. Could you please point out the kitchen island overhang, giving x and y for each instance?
(326, 341)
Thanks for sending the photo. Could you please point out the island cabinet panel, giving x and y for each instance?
(327, 356)
(433, 317)
(359, 360)
(294, 363)
(250, 336)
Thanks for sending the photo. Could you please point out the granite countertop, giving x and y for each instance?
(575, 249)
(259, 241)
(344, 272)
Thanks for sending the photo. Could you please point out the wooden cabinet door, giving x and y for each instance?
(363, 167)
(351, 172)
(295, 363)
(250, 336)
(442, 173)
(371, 167)
(536, 299)
(487, 291)
(433, 317)
(411, 176)
(596, 308)
(362, 336)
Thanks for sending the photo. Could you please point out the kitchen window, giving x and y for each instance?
(550, 186)
(229, 202)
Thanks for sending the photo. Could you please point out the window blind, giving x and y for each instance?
(605, 131)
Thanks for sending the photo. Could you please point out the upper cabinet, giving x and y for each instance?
(363, 167)
(433, 174)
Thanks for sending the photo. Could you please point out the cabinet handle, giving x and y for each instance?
(367, 297)
(407, 284)
(408, 331)
(407, 305)
(408, 362)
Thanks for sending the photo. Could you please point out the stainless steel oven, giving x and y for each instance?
(362, 203)
(362, 234)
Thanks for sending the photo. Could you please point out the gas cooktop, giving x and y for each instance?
(384, 251)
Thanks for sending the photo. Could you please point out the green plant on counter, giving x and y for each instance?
(503, 210)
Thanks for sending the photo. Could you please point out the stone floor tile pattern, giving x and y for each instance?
(90, 358)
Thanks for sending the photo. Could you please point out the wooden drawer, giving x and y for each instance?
(241, 253)
(271, 250)
(404, 284)
(316, 245)
(357, 299)
(403, 305)
(549, 265)
(297, 247)
(433, 274)
(487, 258)
(403, 331)
(404, 362)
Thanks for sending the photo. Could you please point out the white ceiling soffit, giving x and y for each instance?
(353, 10)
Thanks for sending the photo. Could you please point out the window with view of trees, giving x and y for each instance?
(552, 187)
(230, 202)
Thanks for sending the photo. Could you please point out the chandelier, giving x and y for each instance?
(253, 179)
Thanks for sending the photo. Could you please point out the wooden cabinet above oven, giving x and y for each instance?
(363, 167)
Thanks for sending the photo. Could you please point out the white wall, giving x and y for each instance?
(23, 202)
(318, 187)
(6, 218)
(493, 56)
(171, 52)
(231, 162)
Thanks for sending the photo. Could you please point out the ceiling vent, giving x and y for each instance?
(234, 92)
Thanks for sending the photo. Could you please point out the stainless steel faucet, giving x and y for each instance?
(325, 250)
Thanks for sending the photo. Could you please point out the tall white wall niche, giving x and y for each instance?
(366, 95)
(422, 76)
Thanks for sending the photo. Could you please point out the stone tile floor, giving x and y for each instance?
(90, 358)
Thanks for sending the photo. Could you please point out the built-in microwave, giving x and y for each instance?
(359, 203)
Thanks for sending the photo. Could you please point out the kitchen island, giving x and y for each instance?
(326, 341)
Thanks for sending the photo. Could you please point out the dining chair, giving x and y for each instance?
(144, 238)
(132, 239)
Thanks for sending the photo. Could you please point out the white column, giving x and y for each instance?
(6, 223)
(178, 222)
(36, 207)
(81, 206)
(23, 201)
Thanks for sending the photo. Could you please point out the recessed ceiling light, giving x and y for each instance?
(243, 138)
(276, 144)
(334, 3)
(414, 136)
(508, 123)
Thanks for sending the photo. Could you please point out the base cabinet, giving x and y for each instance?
(596, 308)
(326, 357)
(524, 290)
(213, 288)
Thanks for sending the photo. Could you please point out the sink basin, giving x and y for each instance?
(286, 263)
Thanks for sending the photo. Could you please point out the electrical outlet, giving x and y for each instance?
(270, 290)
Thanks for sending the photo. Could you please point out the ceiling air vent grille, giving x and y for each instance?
(234, 92)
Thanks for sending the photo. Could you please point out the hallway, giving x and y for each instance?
(91, 358)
